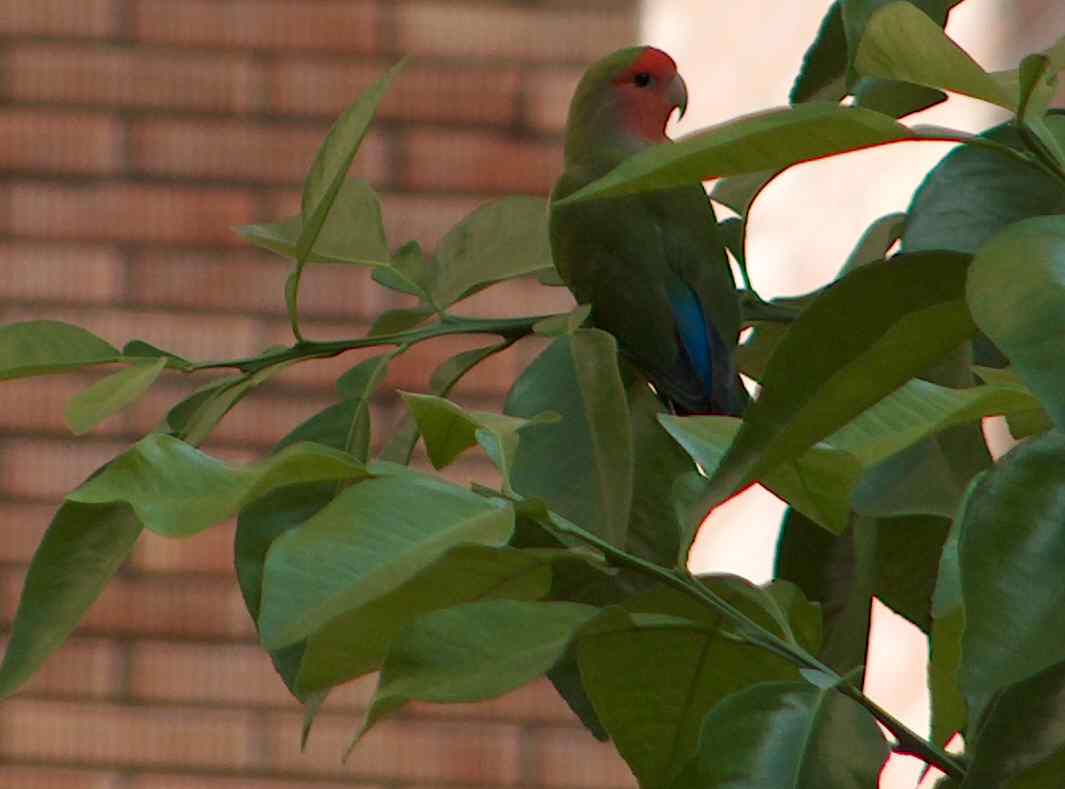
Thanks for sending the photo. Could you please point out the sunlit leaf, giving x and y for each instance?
(110, 395)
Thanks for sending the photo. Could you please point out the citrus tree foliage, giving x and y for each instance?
(868, 424)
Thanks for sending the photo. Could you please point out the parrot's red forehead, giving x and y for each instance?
(654, 62)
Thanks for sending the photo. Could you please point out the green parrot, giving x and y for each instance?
(651, 265)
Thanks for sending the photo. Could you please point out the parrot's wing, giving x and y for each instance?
(655, 273)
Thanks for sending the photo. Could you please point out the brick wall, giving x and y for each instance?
(133, 135)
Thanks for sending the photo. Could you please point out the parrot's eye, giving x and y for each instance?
(642, 80)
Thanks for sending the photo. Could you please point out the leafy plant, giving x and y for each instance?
(868, 425)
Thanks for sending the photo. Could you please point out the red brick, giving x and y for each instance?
(110, 76)
(573, 758)
(21, 529)
(444, 92)
(229, 675)
(60, 142)
(196, 337)
(210, 551)
(338, 25)
(398, 751)
(86, 18)
(36, 405)
(129, 212)
(112, 734)
(74, 273)
(503, 31)
(49, 469)
(252, 281)
(547, 95)
(88, 667)
(58, 778)
(225, 675)
(258, 152)
(478, 162)
(424, 218)
(157, 781)
(173, 606)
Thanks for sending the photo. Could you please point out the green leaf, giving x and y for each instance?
(1020, 308)
(837, 572)
(81, 550)
(875, 242)
(557, 325)
(1010, 542)
(908, 553)
(974, 193)
(474, 652)
(259, 524)
(448, 430)
(326, 177)
(501, 240)
(818, 483)
(948, 708)
(769, 140)
(888, 322)
(583, 465)
(353, 231)
(409, 272)
(142, 349)
(441, 382)
(652, 682)
(901, 42)
(823, 75)
(894, 98)
(400, 319)
(787, 735)
(110, 395)
(355, 643)
(366, 543)
(176, 490)
(1021, 745)
(659, 529)
(193, 419)
(48, 347)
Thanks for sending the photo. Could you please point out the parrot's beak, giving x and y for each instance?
(678, 95)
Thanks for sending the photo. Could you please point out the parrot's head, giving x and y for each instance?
(622, 104)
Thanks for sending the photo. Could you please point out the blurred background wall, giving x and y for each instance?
(133, 135)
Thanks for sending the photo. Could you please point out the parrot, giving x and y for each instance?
(651, 265)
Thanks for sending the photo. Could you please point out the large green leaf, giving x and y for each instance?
(901, 42)
(1021, 745)
(908, 551)
(110, 395)
(474, 652)
(837, 572)
(652, 682)
(787, 735)
(356, 642)
(352, 233)
(582, 466)
(887, 322)
(366, 543)
(259, 524)
(1016, 292)
(818, 483)
(400, 446)
(1010, 543)
(448, 430)
(974, 193)
(826, 69)
(82, 549)
(46, 347)
(949, 711)
(768, 140)
(504, 239)
(176, 490)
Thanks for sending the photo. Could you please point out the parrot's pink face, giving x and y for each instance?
(647, 93)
